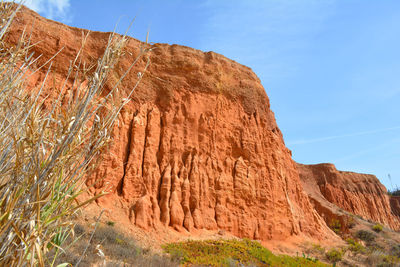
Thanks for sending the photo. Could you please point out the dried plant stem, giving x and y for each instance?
(90, 239)
(46, 152)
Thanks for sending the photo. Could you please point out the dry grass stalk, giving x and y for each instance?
(45, 152)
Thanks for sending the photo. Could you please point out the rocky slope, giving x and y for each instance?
(196, 148)
(360, 194)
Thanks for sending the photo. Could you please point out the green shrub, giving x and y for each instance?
(307, 257)
(317, 248)
(350, 222)
(334, 255)
(380, 259)
(395, 250)
(377, 228)
(228, 252)
(110, 223)
(355, 246)
(366, 236)
(336, 226)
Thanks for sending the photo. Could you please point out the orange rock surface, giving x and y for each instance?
(196, 148)
(360, 194)
(395, 205)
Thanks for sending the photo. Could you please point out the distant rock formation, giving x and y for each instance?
(395, 205)
(360, 194)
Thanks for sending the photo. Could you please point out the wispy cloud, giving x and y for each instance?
(51, 9)
(374, 150)
(264, 34)
(327, 138)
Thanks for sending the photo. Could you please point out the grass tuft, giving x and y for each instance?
(336, 226)
(377, 228)
(334, 255)
(366, 236)
(355, 246)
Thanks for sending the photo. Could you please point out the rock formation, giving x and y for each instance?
(395, 205)
(196, 148)
(360, 194)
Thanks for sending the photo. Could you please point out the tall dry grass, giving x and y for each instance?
(46, 151)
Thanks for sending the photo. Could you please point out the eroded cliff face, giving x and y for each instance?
(196, 148)
(360, 194)
(395, 205)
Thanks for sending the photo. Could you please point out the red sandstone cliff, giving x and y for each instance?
(395, 205)
(360, 194)
(197, 148)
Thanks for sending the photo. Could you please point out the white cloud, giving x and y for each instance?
(51, 9)
(327, 138)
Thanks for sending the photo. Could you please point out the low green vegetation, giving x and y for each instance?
(376, 252)
(379, 258)
(355, 246)
(395, 250)
(377, 228)
(232, 253)
(336, 226)
(318, 249)
(350, 222)
(334, 255)
(366, 236)
(110, 223)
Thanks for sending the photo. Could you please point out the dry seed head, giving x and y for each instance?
(32, 224)
(71, 123)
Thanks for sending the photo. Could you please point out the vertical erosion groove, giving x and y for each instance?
(146, 134)
(159, 158)
(159, 152)
(120, 185)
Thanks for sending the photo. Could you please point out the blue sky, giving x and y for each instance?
(331, 68)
